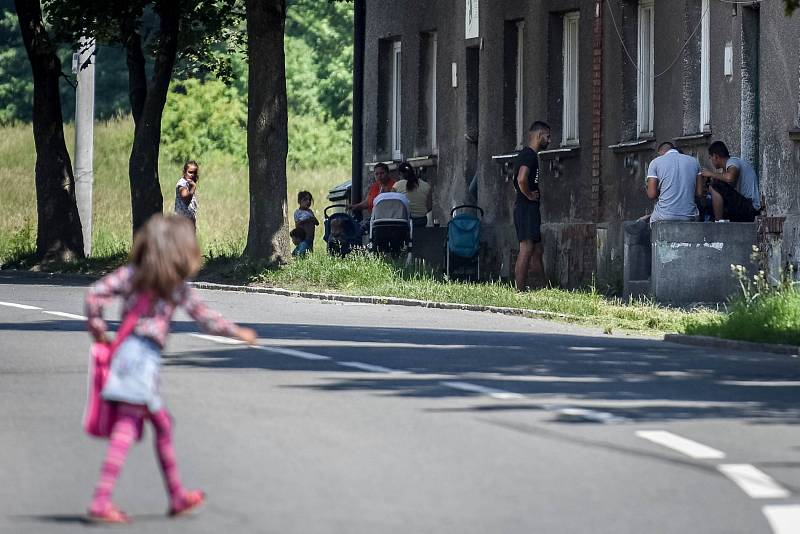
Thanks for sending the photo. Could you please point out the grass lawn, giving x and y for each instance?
(224, 203)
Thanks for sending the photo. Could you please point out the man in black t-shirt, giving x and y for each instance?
(527, 219)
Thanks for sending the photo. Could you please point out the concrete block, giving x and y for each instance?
(691, 261)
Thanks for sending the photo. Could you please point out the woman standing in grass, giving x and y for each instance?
(186, 192)
(164, 255)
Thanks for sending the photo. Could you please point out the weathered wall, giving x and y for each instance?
(583, 215)
(779, 114)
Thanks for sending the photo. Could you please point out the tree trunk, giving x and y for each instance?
(146, 199)
(267, 133)
(58, 236)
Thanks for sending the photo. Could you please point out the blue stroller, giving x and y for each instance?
(464, 239)
(342, 231)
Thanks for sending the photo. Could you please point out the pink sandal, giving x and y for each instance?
(189, 502)
(111, 515)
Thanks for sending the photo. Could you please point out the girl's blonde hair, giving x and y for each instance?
(165, 253)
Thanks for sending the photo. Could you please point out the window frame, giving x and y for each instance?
(519, 92)
(396, 88)
(705, 67)
(645, 72)
(570, 73)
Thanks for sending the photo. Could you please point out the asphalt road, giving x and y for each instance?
(379, 419)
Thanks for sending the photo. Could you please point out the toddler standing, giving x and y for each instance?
(304, 218)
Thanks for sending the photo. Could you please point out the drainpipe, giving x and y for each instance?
(359, 34)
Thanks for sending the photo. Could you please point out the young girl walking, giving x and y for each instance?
(165, 254)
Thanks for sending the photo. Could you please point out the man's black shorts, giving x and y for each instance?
(528, 221)
(737, 208)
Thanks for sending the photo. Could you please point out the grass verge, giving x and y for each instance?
(773, 318)
(360, 274)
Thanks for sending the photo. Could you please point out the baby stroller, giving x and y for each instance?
(390, 229)
(342, 232)
(463, 247)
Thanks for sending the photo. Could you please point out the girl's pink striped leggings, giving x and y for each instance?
(129, 417)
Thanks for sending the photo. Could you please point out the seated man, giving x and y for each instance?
(672, 179)
(734, 191)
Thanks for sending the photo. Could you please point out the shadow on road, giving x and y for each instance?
(632, 378)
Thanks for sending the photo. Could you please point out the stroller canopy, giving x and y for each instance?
(391, 207)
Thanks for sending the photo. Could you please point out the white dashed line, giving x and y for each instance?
(20, 306)
(761, 383)
(65, 314)
(475, 388)
(783, 518)
(754, 482)
(218, 339)
(570, 414)
(683, 445)
(294, 353)
(369, 367)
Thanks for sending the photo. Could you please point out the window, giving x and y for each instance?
(644, 92)
(395, 104)
(570, 79)
(426, 135)
(705, 67)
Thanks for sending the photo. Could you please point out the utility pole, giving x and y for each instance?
(83, 66)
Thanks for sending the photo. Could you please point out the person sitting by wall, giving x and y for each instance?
(298, 236)
(734, 191)
(420, 200)
(383, 184)
(672, 179)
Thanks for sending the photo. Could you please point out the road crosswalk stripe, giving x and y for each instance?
(683, 445)
(783, 518)
(754, 482)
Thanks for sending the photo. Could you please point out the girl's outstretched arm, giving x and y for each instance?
(211, 321)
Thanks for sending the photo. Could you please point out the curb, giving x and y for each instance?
(336, 297)
(732, 344)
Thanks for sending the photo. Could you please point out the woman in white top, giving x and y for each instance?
(417, 191)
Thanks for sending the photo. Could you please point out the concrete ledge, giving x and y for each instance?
(732, 344)
(366, 299)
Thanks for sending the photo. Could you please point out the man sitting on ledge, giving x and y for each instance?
(671, 181)
(734, 191)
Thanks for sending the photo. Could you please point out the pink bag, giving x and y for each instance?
(100, 415)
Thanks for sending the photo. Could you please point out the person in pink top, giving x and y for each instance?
(165, 254)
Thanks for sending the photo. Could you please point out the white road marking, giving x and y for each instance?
(65, 314)
(686, 446)
(276, 350)
(369, 367)
(475, 388)
(761, 383)
(294, 353)
(20, 306)
(582, 414)
(754, 482)
(218, 339)
(783, 518)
